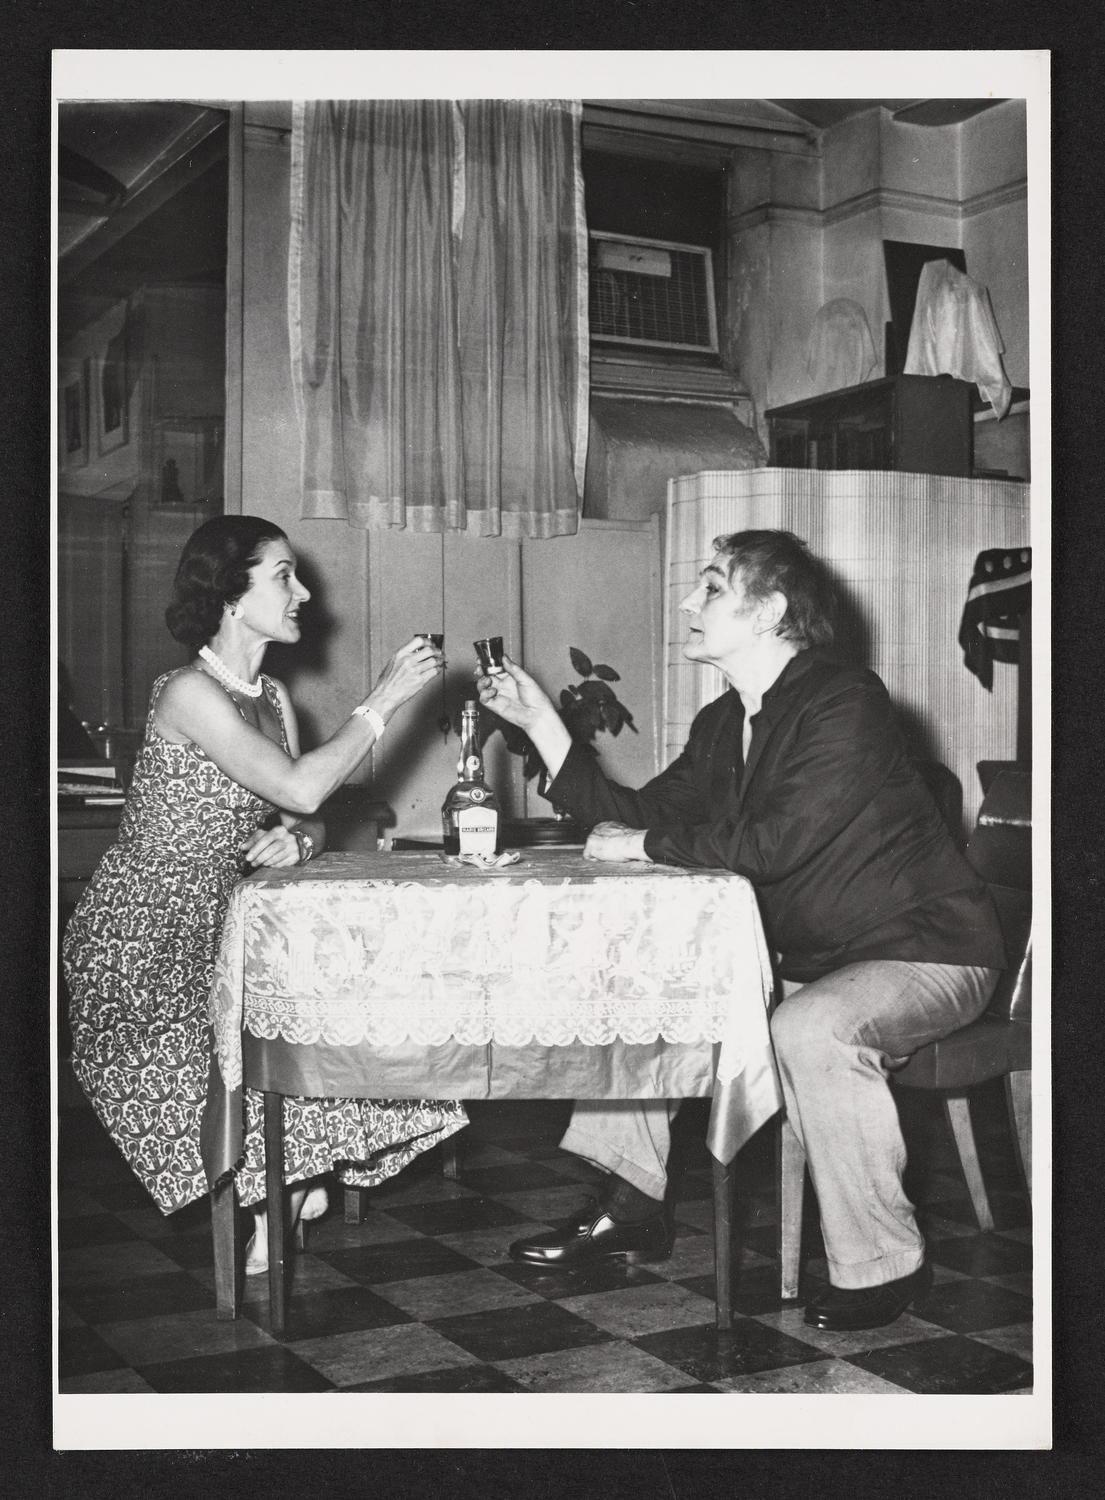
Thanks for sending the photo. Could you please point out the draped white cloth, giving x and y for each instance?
(954, 332)
(841, 351)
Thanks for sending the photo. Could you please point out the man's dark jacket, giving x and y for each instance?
(829, 820)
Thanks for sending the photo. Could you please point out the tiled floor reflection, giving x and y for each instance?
(421, 1296)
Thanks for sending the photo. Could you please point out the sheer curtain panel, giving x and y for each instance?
(437, 304)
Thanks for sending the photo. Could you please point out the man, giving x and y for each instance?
(798, 778)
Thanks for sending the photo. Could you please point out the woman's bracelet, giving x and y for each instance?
(363, 711)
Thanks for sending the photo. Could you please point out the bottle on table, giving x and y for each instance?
(470, 817)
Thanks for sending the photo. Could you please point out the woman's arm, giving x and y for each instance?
(193, 707)
(280, 845)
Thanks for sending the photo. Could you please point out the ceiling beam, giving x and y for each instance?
(676, 121)
(78, 171)
(190, 154)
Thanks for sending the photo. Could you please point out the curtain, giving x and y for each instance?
(437, 307)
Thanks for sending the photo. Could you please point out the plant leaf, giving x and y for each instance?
(581, 663)
(596, 691)
(606, 673)
(567, 697)
(583, 720)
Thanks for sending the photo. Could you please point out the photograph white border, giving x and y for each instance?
(1021, 1421)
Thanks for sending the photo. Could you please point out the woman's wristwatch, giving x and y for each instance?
(306, 844)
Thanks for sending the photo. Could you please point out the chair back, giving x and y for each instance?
(947, 793)
(1000, 849)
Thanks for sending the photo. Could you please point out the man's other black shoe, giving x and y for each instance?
(595, 1235)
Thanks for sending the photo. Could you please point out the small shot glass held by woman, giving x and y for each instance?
(220, 785)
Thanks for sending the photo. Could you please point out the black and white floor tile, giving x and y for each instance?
(422, 1296)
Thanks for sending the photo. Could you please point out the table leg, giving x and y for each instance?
(274, 1190)
(224, 1235)
(723, 1241)
(450, 1159)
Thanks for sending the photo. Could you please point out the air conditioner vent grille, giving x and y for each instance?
(652, 292)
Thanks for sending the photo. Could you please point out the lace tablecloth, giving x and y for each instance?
(381, 950)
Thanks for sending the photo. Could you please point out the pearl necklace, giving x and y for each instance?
(228, 678)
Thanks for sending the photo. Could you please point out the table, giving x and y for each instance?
(402, 975)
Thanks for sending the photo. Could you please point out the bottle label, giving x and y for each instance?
(478, 829)
(472, 766)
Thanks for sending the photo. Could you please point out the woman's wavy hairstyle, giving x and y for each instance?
(769, 562)
(213, 572)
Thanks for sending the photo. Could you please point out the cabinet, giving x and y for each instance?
(919, 424)
(84, 836)
(598, 590)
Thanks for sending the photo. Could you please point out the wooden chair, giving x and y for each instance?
(353, 1198)
(998, 1044)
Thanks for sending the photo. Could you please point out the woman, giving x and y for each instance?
(220, 787)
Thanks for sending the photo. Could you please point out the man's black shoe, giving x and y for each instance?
(594, 1235)
(847, 1309)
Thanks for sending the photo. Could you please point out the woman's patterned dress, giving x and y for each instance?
(139, 952)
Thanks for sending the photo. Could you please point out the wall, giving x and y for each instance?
(775, 271)
(331, 669)
(994, 168)
(802, 227)
(372, 590)
(97, 473)
(469, 587)
(806, 229)
(598, 590)
(601, 592)
(118, 544)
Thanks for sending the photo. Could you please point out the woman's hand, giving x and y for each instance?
(407, 673)
(616, 843)
(276, 848)
(515, 696)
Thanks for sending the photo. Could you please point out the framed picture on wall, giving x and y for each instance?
(112, 373)
(73, 418)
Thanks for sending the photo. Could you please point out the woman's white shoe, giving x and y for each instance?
(257, 1261)
(315, 1204)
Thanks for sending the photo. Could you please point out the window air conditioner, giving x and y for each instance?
(652, 292)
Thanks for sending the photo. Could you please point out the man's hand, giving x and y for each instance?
(515, 696)
(616, 843)
(519, 699)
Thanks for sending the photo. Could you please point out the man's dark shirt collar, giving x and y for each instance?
(789, 680)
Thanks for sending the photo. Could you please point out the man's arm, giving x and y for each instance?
(589, 795)
(838, 755)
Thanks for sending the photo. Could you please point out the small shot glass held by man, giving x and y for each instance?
(799, 779)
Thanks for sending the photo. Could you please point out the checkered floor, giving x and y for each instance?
(421, 1295)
